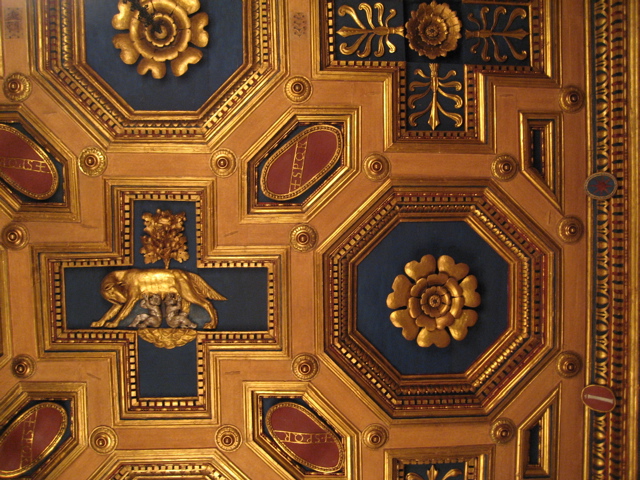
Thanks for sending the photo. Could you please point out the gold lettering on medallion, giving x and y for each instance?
(26, 449)
(298, 164)
(27, 164)
(303, 438)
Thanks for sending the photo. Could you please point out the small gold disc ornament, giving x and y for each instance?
(15, 236)
(303, 237)
(568, 364)
(223, 162)
(305, 366)
(502, 430)
(104, 439)
(92, 161)
(298, 89)
(17, 87)
(375, 436)
(23, 366)
(376, 167)
(571, 99)
(570, 229)
(504, 167)
(228, 438)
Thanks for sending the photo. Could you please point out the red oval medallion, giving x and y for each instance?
(25, 165)
(599, 398)
(304, 437)
(301, 162)
(31, 437)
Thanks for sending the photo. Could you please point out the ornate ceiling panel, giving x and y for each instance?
(345, 239)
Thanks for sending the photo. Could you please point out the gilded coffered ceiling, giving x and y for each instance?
(296, 239)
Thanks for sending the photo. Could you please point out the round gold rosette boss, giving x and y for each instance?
(433, 301)
(433, 30)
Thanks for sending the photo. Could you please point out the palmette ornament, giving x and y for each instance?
(435, 306)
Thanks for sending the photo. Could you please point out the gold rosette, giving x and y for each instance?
(433, 30)
(431, 308)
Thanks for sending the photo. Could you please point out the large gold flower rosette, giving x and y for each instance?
(433, 30)
(434, 306)
(166, 38)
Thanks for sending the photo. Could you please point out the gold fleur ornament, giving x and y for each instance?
(433, 30)
(167, 38)
(434, 306)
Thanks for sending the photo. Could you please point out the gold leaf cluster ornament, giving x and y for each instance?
(165, 240)
(433, 30)
(165, 38)
(434, 301)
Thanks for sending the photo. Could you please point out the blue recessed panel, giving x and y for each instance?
(222, 56)
(410, 241)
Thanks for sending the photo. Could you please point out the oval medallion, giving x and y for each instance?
(598, 398)
(304, 437)
(31, 437)
(25, 165)
(301, 162)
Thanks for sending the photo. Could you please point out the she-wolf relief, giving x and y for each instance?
(166, 294)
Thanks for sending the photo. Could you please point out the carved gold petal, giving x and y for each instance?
(103, 439)
(571, 99)
(303, 237)
(228, 438)
(223, 162)
(298, 89)
(15, 236)
(502, 430)
(17, 87)
(375, 436)
(568, 364)
(92, 161)
(23, 366)
(376, 167)
(305, 366)
(570, 229)
(504, 167)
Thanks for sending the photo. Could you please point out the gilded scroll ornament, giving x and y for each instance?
(17, 87)
(484, 34)
(375, 436)
(165, 37)
(15, 236)
(367, 34)
(305, 366)
(23, 366)
(432, 474)
(103, 439)
(435, 85)
(435, 302)
(433, 30)
(92, 161)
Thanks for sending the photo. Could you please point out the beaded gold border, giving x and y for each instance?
(478, 460)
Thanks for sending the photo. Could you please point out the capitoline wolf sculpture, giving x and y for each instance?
(176, 289)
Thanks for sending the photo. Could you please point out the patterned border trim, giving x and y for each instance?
(478, 461)
(608, 366)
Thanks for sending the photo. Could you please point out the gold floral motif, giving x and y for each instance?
(433, 30)
(436, 86)
(166, 38)
(435, 301)
(165, 240)
(432, 474)
(383, 30)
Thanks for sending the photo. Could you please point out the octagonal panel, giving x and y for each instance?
(438, 300)
(122, 76)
